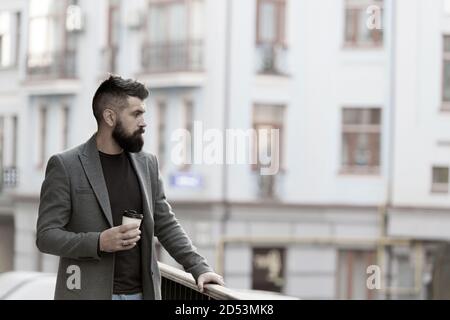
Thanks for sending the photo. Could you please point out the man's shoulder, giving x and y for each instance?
(70, 155)
(150, 159)
(149, 156)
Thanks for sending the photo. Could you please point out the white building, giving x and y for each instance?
(352, 106)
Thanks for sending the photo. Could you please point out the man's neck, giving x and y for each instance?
(106, 144)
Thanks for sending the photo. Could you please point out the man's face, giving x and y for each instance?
(130, 126)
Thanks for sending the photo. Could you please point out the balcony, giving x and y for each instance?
(52, 65)
(271, 59)
(182, 56)
(173, 64)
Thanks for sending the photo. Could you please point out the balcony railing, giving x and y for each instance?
(10, 177)
(271, 59)
(172, 57)
(55, 65)
(179, 285)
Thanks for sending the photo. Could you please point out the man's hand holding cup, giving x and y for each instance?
(123, 237)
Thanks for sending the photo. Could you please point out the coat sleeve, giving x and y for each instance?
(54, 214)
(171, 234)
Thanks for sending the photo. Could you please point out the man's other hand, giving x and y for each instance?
(209, 277)
(120, 238)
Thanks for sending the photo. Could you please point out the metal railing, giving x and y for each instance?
(10, 177)
(172, 56)
(54, 64)
(179, 285)
(271, 59)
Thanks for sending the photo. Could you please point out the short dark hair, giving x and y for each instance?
(114, 92)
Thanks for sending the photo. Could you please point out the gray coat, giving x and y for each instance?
(74, 209)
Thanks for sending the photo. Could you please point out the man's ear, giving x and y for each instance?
(109, 116)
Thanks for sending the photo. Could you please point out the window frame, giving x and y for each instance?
(445, 104)
(188, 46)
(370, 169)
(348, 256)
(1, 51)
(188, 125)
(356, 42)
(65, 115)
(63, 51)
(161, 133)
(280, 7)
(281, 126)
(437, 187)
(42, 135)
(15, 35)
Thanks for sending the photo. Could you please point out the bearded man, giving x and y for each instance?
(86, 192)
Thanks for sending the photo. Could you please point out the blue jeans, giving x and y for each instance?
(135, 296)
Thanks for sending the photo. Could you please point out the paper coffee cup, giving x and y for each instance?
(131, 216)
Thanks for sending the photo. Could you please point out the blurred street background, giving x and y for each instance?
(358, 89)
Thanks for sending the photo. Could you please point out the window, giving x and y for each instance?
(1, 51)
(361, 134)
(113, 22)
(174, 36)
(65, 127)
(112, 36)
(268, 120)
(268, 269)
(51, 47)
(14, 141)
(352, 274)
(270, 36)
(8, 152)
(42, 137)
(9, 38)
(2, 140)
(446, 73)
(162, 118)
(7, 240)
(440, 179)
(270, 22)
(18, 34)
(357, 16)
(189, 127)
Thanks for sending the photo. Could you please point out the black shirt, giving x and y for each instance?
(124, 194)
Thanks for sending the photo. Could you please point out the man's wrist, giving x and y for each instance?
(99, 247)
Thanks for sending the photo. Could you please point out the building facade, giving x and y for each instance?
(356, 89)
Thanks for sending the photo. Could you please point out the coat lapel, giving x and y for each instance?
(90, 160)
(140, 167)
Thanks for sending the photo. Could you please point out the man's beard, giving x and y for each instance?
(130, 143)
